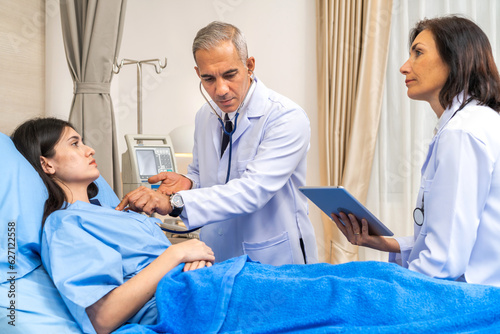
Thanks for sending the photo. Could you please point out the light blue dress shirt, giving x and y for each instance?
(460, 195)
(89, 250)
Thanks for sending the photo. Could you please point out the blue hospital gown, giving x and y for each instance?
(89, 250)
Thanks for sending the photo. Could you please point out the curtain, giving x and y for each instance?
(352, 56)
(92, 33)
(406, 126)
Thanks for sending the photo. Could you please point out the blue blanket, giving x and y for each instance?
(240, 296)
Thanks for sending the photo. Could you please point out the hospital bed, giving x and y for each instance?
(355, 297)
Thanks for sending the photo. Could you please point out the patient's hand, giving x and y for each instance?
(196, 265)
(194, 253)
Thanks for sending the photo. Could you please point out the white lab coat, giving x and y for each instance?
(460, 189)
(260, 211)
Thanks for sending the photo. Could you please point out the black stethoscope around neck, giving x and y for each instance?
(228, 133)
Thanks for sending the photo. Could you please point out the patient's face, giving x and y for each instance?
(73, 161)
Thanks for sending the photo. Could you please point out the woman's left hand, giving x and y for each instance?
(359, 236)
(351, 229)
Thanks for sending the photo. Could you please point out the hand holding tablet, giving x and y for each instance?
(337, 199)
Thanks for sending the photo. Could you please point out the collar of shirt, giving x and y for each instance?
(449, 113)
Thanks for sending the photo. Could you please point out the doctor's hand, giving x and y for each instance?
(171, 182)
(358, 234)
(355, 233)
(146, 200)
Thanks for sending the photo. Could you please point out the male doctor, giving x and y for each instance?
(242, 189)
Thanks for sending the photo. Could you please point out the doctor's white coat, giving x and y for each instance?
(460, 196)
(260, 211)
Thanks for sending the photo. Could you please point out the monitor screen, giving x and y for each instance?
(146, 163)
(154, 160)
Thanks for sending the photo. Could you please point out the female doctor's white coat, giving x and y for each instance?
(260, 211)
(459, 238)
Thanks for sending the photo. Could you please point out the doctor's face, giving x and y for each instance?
(425, 71)
(223, 75)
(73, 161)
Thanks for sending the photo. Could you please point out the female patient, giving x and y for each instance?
(117, 258)
(457, 219)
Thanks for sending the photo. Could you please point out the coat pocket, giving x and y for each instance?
(275, 251)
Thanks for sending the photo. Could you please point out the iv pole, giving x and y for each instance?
(158, 67)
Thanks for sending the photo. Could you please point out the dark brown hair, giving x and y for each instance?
(36, 138)
(465, 48)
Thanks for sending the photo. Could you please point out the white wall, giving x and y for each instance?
(281, 35)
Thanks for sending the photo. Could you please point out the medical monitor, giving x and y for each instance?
(146, 155)
(153, 160)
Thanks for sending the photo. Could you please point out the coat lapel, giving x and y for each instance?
(253, 109)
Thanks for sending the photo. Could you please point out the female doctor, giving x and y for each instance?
(457, 216)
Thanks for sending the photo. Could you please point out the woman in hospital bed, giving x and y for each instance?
(105, 263)
(457, 217)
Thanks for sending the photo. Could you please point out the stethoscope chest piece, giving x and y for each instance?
(418, 216)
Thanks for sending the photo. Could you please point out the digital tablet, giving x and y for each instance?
(337, 199)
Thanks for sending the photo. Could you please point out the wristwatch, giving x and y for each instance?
(177, 205)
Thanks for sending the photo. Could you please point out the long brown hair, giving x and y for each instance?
(36, 138)
(465, 48)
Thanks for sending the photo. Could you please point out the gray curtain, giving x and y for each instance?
(92, 32)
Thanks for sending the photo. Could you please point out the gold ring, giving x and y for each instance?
(356, 233)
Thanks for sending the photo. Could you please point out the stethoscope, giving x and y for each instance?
(230, 134)
(221, 121)
(418, 213)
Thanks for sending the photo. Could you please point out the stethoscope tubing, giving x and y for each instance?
(229, 133)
